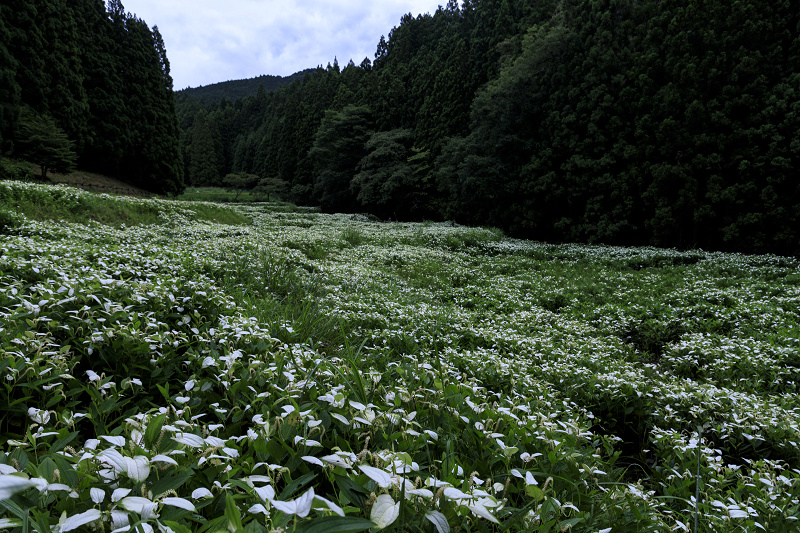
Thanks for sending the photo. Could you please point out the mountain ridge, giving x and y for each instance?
(234, 89)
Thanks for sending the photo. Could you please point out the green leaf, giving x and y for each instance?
(295, 485)
(534, 492)
(61, 443)
(232, 514)
(169, 483)
(352, 490)
(335, 524)
(564, 524)
(176, 527)
(153, 430)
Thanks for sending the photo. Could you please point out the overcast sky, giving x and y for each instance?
(209, 41)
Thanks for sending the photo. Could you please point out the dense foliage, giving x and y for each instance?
(99, 76)
(616, 121)
(312, 372)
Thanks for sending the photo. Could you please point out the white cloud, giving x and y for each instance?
(209, 41)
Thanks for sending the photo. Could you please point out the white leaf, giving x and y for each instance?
(137, 468)
(7, 469)
(341, 419)
(114, 458)
(481, 511)
(78, 520)
(300, 507)
(335, 460)
(164, 459)
(385, 511)
(258, 508)
(115, 440)
(529, 479)
(118, 494)
(737, 513)
(332, 506)
(266, 493)
(137, 504)
(438, 520)
(606, 530)
(119, 519)
(97, 495)
(382, 478)
(455, 494)
(189, 439)
(420, 492)
(10, 485)
(216, 442)
(179, 502)
(9, 523)
(39, 416)
(312, 460)
(357, 405)
(201, 493)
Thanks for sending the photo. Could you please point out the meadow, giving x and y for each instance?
(258, 368)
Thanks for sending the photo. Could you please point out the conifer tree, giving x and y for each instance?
(9, 88)
(41, 141)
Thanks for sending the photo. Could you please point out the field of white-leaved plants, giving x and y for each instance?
(323, 373)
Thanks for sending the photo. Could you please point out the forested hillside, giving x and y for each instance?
(86, 84)
(235, 89)
(609, 121)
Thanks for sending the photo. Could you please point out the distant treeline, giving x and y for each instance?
(86, 83)
(664, 122)
(235, 89)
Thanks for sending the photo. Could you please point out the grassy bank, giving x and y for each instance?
(63, 203)
(222, 195)
(314, 372)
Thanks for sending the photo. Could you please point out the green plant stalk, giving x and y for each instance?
(697, 483)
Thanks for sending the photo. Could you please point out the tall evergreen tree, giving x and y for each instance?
(338, 148)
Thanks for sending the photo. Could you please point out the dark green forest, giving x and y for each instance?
(605, 121)
(83, 84)
(671, 123)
